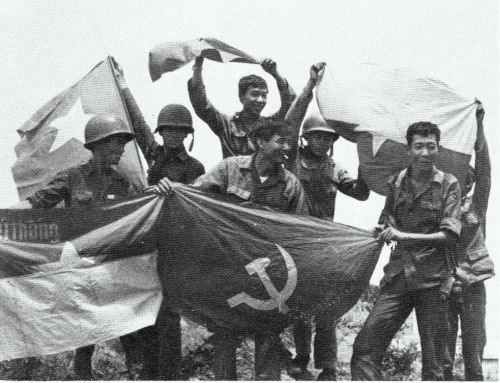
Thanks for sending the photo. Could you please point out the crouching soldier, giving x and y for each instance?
(163, 361)
(321, 178)
(88, 185)
(422, 215)
(262, 179)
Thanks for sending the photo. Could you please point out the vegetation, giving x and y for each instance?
(401, 362)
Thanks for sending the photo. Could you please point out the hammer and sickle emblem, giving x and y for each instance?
(277, 298)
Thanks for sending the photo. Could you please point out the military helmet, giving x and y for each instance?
(102, 126)
(316, 123)
(175, 115)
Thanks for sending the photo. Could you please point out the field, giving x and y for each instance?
(402, 360)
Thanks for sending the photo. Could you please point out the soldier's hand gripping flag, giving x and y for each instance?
(373, 106)
(52, 139)
(70, 277)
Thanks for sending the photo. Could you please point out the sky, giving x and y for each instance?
(47, 46)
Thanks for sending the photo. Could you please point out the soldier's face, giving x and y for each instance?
(254, 100)
(276, 148)
(110, 150)
(173, 137)
(423, 150)
(319, 142)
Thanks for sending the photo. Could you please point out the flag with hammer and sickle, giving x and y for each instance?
(251, 269)
(73, 277)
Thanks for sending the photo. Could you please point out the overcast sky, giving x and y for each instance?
(48, 45)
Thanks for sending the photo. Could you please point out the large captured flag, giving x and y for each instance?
(173, 55)
(70, 277)
(52, 139)
(373, 106)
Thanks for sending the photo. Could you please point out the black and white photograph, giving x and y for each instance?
(249, 190)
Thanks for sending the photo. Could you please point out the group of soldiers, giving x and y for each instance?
(438, 229)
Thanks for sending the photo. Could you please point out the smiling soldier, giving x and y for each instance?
(233, 130)
(422, 215)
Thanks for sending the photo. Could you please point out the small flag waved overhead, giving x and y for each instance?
(373, 106)
(173, 55)
(52, 139)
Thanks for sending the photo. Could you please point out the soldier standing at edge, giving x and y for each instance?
(474, 266)
(87, 185)
(422, 214)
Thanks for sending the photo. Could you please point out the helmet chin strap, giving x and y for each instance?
(192, 143)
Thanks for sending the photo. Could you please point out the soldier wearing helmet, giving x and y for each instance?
(321, 178)
(233, 130)
(168, 160)
(91, 184)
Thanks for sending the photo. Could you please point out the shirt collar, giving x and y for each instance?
(437, 175)
(247, 165)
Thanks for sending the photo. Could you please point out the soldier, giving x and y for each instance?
(422, 214)
(321, 177)
(474, 266)
(89, 185)
(168, 160)
(233, 130)
(262, 179)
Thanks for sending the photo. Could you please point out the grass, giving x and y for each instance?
(402, 361)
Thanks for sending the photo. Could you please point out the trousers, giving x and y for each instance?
(325, 341)
(471, 313)
(389, 313)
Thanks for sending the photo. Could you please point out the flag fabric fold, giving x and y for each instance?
(72, 277)
(173, 55)
(373, 106)
(52, 139)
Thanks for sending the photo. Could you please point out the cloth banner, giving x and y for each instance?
(373, 106)
(173, 55)
(52, 139)
(70, 277)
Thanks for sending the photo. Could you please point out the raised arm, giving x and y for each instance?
(142, 131)
(355, 188)
(295, 115)
(287, 95)
(482, 170)
(199, 100)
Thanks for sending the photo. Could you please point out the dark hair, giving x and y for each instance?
(267, 127)
(250, 81)
(423, 129)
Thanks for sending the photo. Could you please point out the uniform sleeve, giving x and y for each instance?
(296, 195)
(482, 175)
(355, 188)
(450, 220)
(195, 170)
(215, 180)
(57, 190)
(294, 118)
(204, 108)
(143, 134)
(287, 95)
(387, 216)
